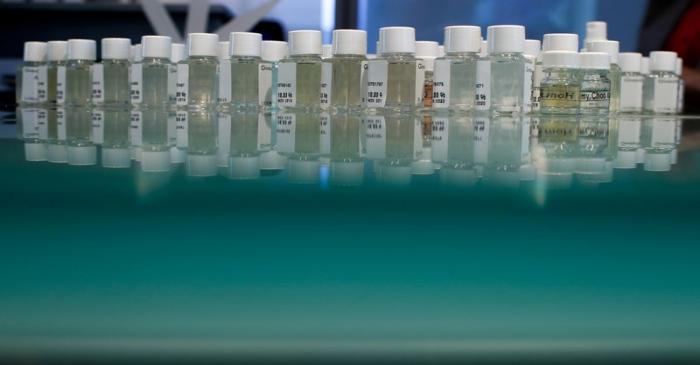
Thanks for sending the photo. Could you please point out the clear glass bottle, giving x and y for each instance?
(32, 74)
(349, 49)
(506, 44)
(201, 72)
(398, 84)
(272, 52)
(661, 87)
(560, 87)
(80, 147)
(56, 57)
(115, 146)
(299, 77)
(631, 83)
(81, 57)
(112, 74)
(595, 85)
(154, 68)
(612, 48)
(427, 52)
(245, 64)
(155, 155)
(455, 72)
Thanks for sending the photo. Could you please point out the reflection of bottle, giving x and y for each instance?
(459, 169)
(592, 165)
(56, 57)
(661, 86)
(78, 82)
(658, 140)
(115, 146)
(299, 77)
(556, 148)
(628, 142)
(560, 87)
(57, 152)
(506, 44)
(245, 64)
(612, 48)
(504, 152)
(81, 149)
(198, 82)
(32, 128)
(155, 155)
(427, 51)
(154, 69)
(454, 78)
(33, 74)
(244, 158)
(201, 143)
(349, 49)
(399, 150)
(595, 85)
(346, 166)
(110, 78)
(272, 52)
(631, 83)
(298, 137)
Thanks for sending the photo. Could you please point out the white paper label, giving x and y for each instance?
(34, 123)
(377, 72)
(34, 85)
(363, 83)
(527, 86)
(136, 80)
(287, 85)
(265, 84)
(631, 93)
(61, 84)
(172, 128)
(481, 140)
(483, 85)
(172, 84)
(441, 84)
(98, 83)
(135, 128)
(665, 95)
(325, 119)
(439, 138)
(61, 124)
(536, 82)
(326, 78)
(285, 132)
(264, 132)
(183, 79)
(224, 81)
(181, 127)
(420, 82)
(98, 118)
(375, 137)
(224, 139)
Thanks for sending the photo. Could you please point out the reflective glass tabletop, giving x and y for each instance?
(157, 234)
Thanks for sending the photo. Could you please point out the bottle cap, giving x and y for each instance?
(116, 158)
(224, 50)
(178, 52)
(626, 160)
(272, 160)
(116, 48)
(155, 46)
(82, 155)
(155, 161)
(137, 53)
(202, 44)
(244, 167)
(594, 61)
(560, 42)
(506, 38)
(563, 59)
(346, 173)
(427, 52)
(679, 66)
(246, 44)
(397, 39)
(305, 42)
(630, 62)
(56, 50)
(662, 61)
(612, 48)
(303, 171)
(657, 161)
(596, 31)
(462, 38)
(57, 153)
(349, 42)
(34, 51)
(273, 51)
(532, 48)
(81, 49)
(35, 151)
(201, 165)
(644, 66)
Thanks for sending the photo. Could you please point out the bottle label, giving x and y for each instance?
(61, 84)
(631, 96)
(375, 137)
(377, 72)
(285, 132)
(182, 86)
(98, 117)
(224, 81)
(287, 85)
(172, 128)
(665, 95)
(482, 128)
(527, 86)
(136, 79)
(483, 85)
(326, 78)
(441, 84)
(265, 84)
(536, 82)
(559, 96)
(34, 123)
(135, 127)
(98, 83)
(439, 137)
(363, 83)
(595, 99)
(60, 124)
(223, 139)
(265, 141)
(181, 127)
(420, 81)
(172, 84)
(325, 145)
(34, 85)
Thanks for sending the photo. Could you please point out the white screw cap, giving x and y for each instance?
(305, 42)
(532, 48)
(560, 59)
(273, 51)
(155, 46)
(136, 53)
(116, 48)
(506, 38)
(56, 50)
(427, 51)
(662, 61)
(82, 49)
(462, 38)
(644, 69)
(612, 48)
(594, 61)
(560, 42)
(441, 51)
(224, 50)
(245, 44)
(596, 31)
(177, 52)
(34, 51)
(630, 62)
(202, 44)
(349, 42)
(397, 39)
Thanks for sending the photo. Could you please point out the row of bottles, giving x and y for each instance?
(504, 74)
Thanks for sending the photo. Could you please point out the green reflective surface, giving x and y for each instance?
(157, 234)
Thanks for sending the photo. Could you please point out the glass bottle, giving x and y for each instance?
(560, 86)
(154, 71)
(612, 48)
(506, 44)
(349, 49)
(110, 78)
(299, 77)
(198, 82)
(245, 64)
(595, 85)
(427, 52)
(56, 57)
(272, 52)
(454, 78)
(661, 87)
(631, 83)
(33, 74)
